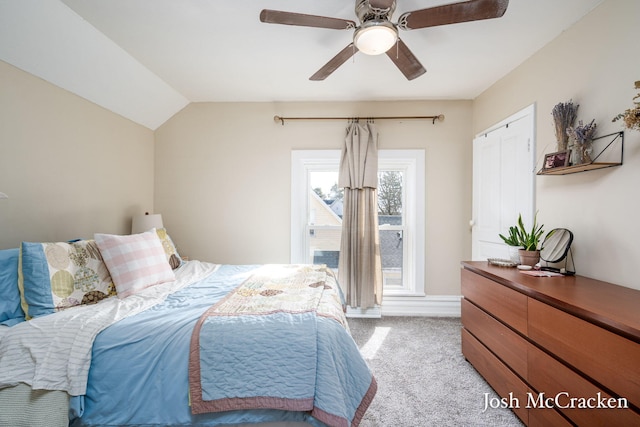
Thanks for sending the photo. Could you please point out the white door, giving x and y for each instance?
(503, 182)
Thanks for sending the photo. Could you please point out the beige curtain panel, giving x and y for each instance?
(359, 266)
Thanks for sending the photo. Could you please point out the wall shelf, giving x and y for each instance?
(594, 164)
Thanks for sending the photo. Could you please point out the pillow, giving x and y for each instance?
(135, 262)
(10, 309)
(55, 276)
(169, 248)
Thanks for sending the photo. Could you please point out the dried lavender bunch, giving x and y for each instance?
(564, 116)
(582, 133)
(631, 116)
(582, 136)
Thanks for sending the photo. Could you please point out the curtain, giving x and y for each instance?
(359, 266)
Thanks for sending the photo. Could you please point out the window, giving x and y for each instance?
(316, 214)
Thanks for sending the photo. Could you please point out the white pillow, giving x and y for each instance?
(135, 262)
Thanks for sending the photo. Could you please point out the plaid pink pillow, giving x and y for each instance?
(135, 262)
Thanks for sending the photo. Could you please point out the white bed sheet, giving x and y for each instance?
(53, 352)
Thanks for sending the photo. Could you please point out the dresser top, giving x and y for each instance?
(613, 307)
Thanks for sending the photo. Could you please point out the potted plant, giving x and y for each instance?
(530, 241)
(513, 243)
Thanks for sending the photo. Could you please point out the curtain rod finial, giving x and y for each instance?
(278, 119)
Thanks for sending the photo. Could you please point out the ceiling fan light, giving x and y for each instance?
(375, 37)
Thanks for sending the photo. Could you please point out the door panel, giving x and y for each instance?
(503, 183)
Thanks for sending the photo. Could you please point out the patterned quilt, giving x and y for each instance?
(280, 341)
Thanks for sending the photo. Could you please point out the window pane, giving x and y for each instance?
(325, 200)
(325, 213)
(390, 209)
(391, 254)
(390, 190)
(324, 245)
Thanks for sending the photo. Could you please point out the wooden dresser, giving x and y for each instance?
(558, 351)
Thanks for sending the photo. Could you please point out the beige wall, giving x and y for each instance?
(595, 63)
(221, 172)
(70, 168)
(223, 177)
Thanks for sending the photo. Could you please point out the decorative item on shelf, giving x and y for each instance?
(631, 116)
(146, 222)
(556, 160)
(513, 244)
(581, 138)
(564, 116)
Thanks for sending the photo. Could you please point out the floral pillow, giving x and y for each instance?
(173, 257)
(56, 276)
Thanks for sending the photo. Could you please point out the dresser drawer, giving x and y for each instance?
(503, 303)
(499, 376)
(581, 401)
(609, 359)
(510, 347)
(546, 418)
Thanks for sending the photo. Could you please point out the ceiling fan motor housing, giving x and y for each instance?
(365, 11)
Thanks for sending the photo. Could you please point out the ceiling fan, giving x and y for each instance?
(376, 34)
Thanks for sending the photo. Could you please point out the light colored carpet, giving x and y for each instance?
(423, 379)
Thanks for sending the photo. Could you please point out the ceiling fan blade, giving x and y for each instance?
(335, 62)
(472, 10)
(406, 61)
(290, 18)
(381, 4)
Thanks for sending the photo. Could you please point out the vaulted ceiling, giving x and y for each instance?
(147, 59)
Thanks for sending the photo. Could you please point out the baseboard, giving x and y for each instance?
(373, 313)
(434, 306)
(427, 306)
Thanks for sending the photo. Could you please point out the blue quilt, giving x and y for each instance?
(280, 341)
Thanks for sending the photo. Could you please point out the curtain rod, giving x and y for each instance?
(433, 118)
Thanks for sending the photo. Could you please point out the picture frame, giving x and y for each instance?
(557, 160)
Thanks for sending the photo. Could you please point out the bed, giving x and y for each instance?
(199, 344)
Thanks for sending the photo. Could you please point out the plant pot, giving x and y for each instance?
(530, 258)
(514, 254)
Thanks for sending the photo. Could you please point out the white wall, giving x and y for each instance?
(595, 63)
(223, 177)
(70, 168)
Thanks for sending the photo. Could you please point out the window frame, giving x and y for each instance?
(412, 163)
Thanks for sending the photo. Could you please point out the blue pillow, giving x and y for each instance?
(10, 309)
